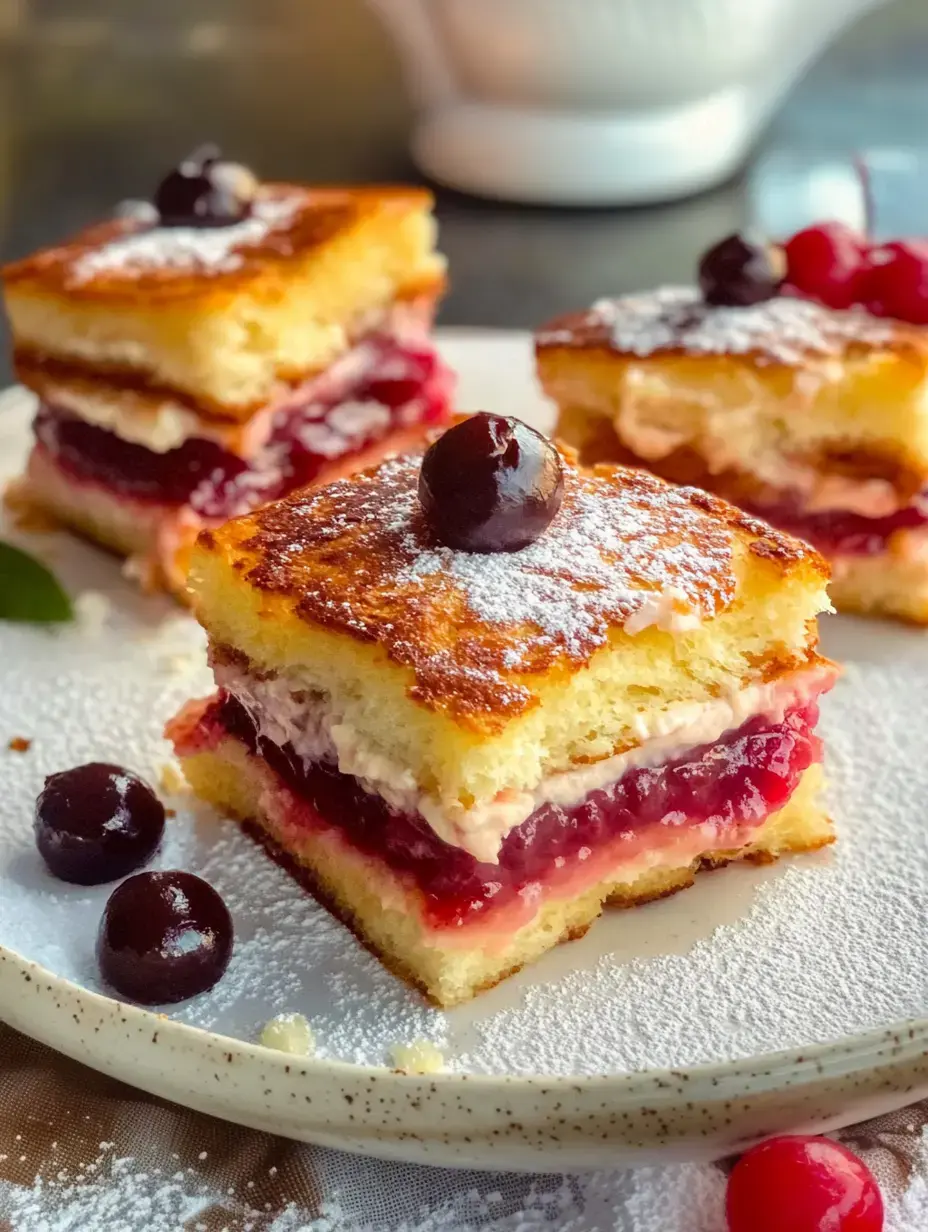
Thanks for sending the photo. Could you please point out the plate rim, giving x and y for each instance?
(814, 1057)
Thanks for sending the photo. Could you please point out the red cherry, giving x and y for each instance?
(896, 283)
(802, 1185)
(825, 262)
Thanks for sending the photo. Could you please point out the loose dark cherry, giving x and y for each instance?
(827, 262)
(490, 484)
(738, 272)
(802, 1184)
(205, 191)
(96, 823)
(164, 937)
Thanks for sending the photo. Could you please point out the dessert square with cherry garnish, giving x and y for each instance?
(804, 400)
(221, 347)
(475, 697)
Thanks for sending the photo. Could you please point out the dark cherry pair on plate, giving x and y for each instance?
(164, 936)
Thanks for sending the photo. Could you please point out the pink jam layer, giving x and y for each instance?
(408, 379)
(836, 533)
(731, 786)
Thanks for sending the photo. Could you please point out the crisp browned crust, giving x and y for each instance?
(358, 558)
(320, 214)
(836, 334)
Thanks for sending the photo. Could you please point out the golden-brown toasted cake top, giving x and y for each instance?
(677, 321)
(133, 258)
(625, 551)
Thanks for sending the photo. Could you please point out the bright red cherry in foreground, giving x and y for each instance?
(897, 281)
(825, 262)
(801, 1184)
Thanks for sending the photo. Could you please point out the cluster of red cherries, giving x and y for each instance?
(831, 263)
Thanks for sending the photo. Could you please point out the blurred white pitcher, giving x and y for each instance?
(585, 102)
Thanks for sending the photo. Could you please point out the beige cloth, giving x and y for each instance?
(81, 1152)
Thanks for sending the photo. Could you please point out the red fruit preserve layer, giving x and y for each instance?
(739, 780)
(400, 384)
(836, 533)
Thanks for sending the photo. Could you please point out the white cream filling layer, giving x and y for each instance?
(286, 712)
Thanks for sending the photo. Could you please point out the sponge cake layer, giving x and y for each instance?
(222, 316)
(478, 675)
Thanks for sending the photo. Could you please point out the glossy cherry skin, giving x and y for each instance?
(802, 1184)
(897, 281)
(96, 823)
(205, 191)
(164, 937)
(739, 271)
(490, 484)
(827, 262)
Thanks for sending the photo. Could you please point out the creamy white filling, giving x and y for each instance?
(286, 712)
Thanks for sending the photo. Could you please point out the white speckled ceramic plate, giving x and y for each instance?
(761, 1000)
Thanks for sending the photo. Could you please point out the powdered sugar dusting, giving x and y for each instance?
(784, 330)
(602, 556)
(217, 249)
(363, 560)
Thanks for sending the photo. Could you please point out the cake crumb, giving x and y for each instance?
(289, 1033)
(170, 813)
(419, 1057)
(19, 744)
(92, 610)
(171, 780)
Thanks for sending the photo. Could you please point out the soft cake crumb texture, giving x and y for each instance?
(479, 673)
(171, 780)
(890, 584)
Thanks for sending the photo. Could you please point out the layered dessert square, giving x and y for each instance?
(811, 416)
(468, 753)
(195, 358)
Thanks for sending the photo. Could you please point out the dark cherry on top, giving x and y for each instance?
(164, 937)
(490, 484)
(96, 823)
(205, 191)
(737, 272)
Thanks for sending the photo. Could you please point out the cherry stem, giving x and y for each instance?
(866, 189)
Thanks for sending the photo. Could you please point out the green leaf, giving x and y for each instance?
(29, 591)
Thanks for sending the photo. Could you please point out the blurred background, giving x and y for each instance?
(98, 98)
